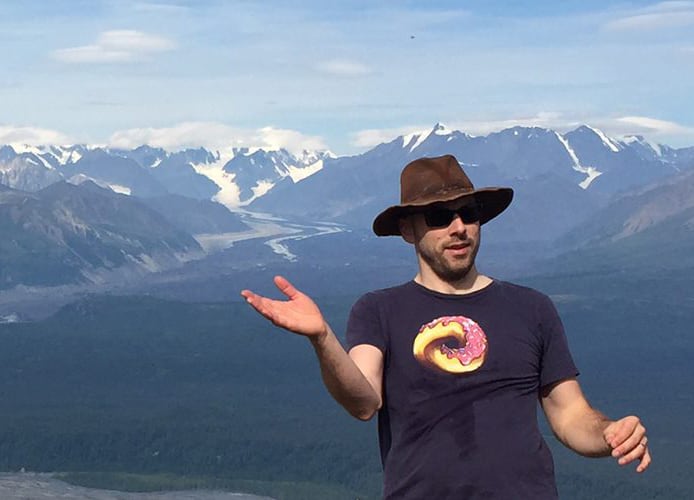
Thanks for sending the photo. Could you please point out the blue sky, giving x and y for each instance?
(339, 75)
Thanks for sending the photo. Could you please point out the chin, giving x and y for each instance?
(453, 274)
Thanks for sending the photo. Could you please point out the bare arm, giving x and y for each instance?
(588, 432)
(353, 379)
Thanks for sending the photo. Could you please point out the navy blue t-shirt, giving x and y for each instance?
(459, 418)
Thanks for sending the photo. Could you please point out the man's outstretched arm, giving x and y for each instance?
(353, 379)
(589, 432)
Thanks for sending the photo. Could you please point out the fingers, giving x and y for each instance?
(298, 314)
(258, 303)
(286, 287)
(281, 283)
(628, 439)
(645, 460)
(252, 298)
(272, 309)
(624, 434)
(641, 453)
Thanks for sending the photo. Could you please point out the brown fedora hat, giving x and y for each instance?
(434, 180)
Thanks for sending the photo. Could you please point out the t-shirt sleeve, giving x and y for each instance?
(364, 324)
(557, 362)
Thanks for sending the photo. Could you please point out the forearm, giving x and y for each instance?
(343, 378)
(584, 431)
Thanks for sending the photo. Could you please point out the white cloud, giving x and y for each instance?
(373, 137)
(275, 138)
(344, 68)
(543, 119)
(92, 54)
(655, 17)
(160, 8)
(33, 136)
(668, 6)
(115, 46)
(215, 136)
(651, 128)
(633, 125)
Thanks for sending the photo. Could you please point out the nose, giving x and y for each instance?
(457, 226)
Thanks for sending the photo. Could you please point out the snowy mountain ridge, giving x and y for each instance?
(237, 177)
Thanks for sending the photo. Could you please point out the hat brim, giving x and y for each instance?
(491, 202)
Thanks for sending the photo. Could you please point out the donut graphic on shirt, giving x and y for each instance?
(453, 344)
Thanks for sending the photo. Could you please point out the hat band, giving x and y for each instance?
(439, 195)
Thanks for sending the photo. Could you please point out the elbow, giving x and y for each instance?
(364, 415)
(366, 411)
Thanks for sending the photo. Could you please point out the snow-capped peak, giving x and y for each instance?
(638, 139)
(606, 140)
(51, 155)
(414, 140)
(441, 129)
(411, 141)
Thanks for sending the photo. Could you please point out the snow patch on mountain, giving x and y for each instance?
(606, 140)
(229, 193)
(62, 155)
(300, 173)
(591, 172)
(441, 129)
(414, 140)
(569, 150)
(43, 162)
(261, 188)
(637, 139)
(117, 188)
(65, 155)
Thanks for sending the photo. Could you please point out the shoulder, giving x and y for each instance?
(388, 294)
(527, 301)
(521, 292)
(385, 300)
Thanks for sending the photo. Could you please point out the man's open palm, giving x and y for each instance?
(298, 314)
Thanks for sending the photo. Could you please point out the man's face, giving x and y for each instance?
(449, 250)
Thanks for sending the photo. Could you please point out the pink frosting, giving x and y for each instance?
(475, 339)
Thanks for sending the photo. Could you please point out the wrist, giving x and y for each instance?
(318, 340)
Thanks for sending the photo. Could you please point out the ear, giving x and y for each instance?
(406, 229)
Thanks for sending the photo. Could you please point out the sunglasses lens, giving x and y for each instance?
(469, 214)
(438, 217)
(441, 217)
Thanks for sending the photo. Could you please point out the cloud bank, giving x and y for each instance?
(617, 127)
(216, 136)
(116, 46)
(31, 135)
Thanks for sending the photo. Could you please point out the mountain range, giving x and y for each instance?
(69, 234)
(86, 214)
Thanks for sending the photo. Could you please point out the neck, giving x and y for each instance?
(471, 282)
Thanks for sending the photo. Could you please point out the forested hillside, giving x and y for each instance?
(209, 395)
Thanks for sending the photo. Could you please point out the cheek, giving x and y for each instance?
(474, 232)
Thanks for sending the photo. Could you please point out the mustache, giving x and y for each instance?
(458, 241)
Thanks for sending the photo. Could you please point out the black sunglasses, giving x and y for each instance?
(442, 217)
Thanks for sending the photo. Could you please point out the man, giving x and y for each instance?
(454, 362)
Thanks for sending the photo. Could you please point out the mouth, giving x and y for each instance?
(458, 248)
